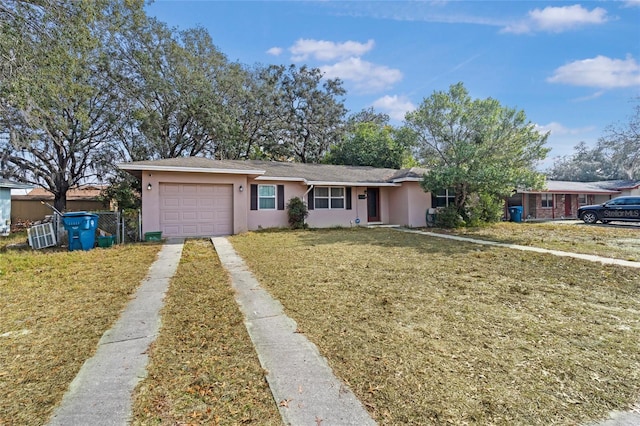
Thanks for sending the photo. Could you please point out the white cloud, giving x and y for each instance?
(323, 50)
(558, 129)
(275, 51)
(366, 76)
(558, 19)
(395, 106)
(632, 3)
(600, 72)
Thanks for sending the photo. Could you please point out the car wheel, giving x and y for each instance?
(589, 217)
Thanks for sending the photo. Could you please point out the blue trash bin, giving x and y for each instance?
(81, 229)
(515, 213)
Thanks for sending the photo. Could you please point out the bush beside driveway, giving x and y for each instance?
(427, 331)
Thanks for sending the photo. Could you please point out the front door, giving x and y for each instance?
(567, 205)
(373, 205)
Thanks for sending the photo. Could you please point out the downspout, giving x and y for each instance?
(308, 191)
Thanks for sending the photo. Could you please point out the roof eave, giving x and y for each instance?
(152, 168)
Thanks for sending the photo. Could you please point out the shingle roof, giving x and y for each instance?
(5, 183)
(311, 173)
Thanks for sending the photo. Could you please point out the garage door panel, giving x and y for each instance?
(196, 209)
(189, 216)
(170, 216)
(207, 216)
(169, 202)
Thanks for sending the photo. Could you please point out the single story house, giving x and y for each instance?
(29, 207)
(193, 196)
(561, 199)
(5, 203)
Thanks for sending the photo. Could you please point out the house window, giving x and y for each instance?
(547, 201)
(582, 199)
(443, 198)
(266, 197)
(328, 197)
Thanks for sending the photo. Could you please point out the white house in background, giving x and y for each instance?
(195, 196)
(5, 204)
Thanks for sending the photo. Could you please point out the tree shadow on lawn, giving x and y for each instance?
(382, 237)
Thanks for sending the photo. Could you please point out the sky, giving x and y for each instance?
(572, 67)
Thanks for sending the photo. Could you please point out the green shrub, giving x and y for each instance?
(484, 208)
(297, 212)
(449, 217)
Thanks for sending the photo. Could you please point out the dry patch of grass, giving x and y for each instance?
(203, 367)
(55, 306)
(603, 240)
(427, 331)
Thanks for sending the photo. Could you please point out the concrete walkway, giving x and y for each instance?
(302, 383)
(589, 257)
(101, 392)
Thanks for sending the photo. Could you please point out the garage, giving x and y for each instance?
(190, 210)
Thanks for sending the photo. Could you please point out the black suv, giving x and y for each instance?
(620, 208)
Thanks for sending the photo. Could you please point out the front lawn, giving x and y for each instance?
(621, 242)
(55, 306)
(429, 331)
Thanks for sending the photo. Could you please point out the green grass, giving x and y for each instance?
(427, 331)
(56, 305)
(203, 367)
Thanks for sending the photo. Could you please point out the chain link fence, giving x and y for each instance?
(125, 225)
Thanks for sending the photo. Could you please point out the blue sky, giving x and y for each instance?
(573, 67)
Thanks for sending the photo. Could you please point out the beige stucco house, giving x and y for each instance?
(195, 196)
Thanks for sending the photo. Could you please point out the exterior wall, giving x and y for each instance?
(325, 218)
(630, 191)
(151, 198)
(559, 203)
(257, 219)
(404, 205)
(410, 204)
(5, 211)
(558, 210)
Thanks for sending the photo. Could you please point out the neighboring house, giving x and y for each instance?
(561, 199)
(199, 197)
(5, 204)
(29, 207)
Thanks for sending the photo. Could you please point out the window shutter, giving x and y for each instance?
(310, 200)
(254, 197)
(348, 197)
(280, 197)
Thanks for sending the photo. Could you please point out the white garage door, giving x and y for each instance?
(190, 210)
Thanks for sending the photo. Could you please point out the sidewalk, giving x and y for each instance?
(302, 383)
(101, 392)
(589, 257)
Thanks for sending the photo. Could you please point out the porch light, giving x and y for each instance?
(149, 187)
(241, 188)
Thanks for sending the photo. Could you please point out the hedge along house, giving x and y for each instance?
(5, 204)
(193, 196)
(561, 199)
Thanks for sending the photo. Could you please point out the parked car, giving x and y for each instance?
(620, 208)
